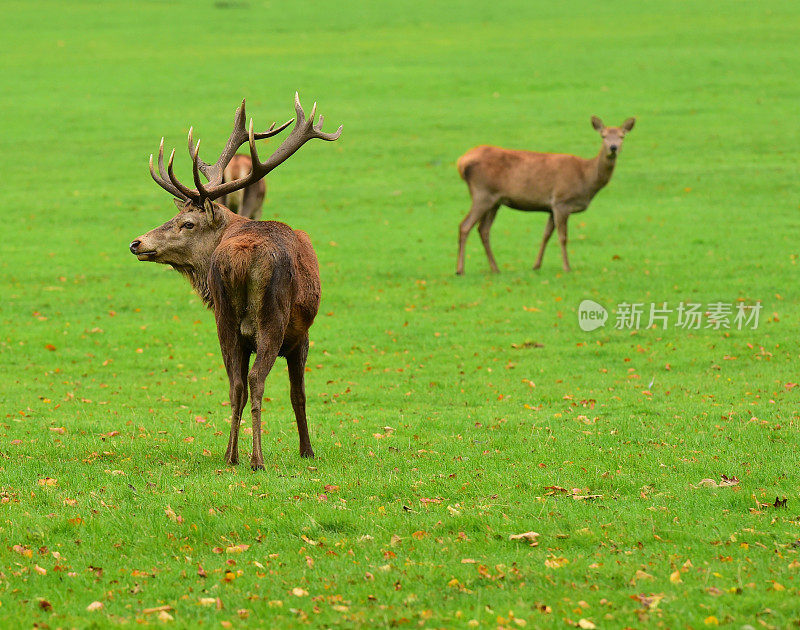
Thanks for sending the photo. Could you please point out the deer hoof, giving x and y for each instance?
(309, 453)
(257, 467)
(231, 460)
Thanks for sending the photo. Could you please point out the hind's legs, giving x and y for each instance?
(548, 232)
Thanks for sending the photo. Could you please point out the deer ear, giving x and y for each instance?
(179, 203)
(628, 124)
(208, 207)
(597, 123)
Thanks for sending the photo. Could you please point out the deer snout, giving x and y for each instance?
(135, 246)
(613, 148)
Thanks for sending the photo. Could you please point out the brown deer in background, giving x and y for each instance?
(261, 278)
(245, 201)
(556, 183)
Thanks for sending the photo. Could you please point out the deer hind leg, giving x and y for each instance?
(266, 354)
(484, 227)
(296, 362)
(548, 232)
(481, 204)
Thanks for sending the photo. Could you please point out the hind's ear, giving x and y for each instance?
(628, 124)
(597, 123)
(180, 204)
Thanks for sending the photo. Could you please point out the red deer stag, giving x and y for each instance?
(556, 183)
(245, 201)
(260, 277)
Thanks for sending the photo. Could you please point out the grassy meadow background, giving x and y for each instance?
(443, 410)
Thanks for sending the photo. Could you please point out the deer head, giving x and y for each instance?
(187, 240)
(612, 136)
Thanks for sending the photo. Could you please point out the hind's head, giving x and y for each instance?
(612, 136)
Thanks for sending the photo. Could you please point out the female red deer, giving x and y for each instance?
(245, 201)
(556, 183)
(260, 277)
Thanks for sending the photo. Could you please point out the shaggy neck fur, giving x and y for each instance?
(198, 278)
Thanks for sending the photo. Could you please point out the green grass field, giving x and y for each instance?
(443, 410)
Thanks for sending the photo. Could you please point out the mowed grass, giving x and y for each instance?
(443, 410)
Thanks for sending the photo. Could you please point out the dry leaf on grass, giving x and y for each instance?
(724, 482)
(527, 536)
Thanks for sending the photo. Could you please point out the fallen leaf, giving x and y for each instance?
(237, 548)
(299, 592)
(527, 536)
(675, 577)
(23, 551)
(94, 606)
(150, 611)
(555, 563)
(640, 575)
(586, 624)
(729, 481)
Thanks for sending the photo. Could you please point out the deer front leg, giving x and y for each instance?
(236, 360)
(296, 362)
(548, 232)
(266, 354)
(560, 219)
(236, 364)
(481, 204)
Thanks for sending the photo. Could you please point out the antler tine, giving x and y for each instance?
(272, 131)
(162, 180)
(196, 174)
(187, 192)
(298, 108)
(201, 164)
(330, 137)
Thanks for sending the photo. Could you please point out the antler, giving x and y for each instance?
(304, 130)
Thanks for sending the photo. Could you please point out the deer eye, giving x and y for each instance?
(187, 225)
